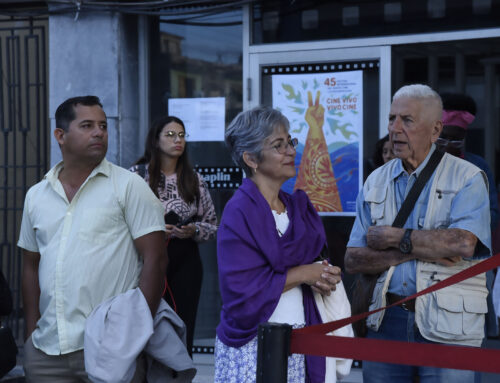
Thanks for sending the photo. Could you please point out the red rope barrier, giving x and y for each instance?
(312, 340)
(387, 351)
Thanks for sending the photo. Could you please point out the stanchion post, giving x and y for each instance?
(273, 349)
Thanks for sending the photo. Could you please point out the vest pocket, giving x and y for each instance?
(376, 197)
(449, 313)
(454, 314)
(443, 208)
(460, 314)
(474, 315)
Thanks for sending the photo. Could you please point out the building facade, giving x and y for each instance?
(136, 60)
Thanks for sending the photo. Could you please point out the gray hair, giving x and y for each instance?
(420, 92)
(248, 131)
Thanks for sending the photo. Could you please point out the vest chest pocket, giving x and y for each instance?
(443, 207)
(376, 197)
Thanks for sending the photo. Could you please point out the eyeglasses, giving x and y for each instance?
(453, 143)
(283, 146)
(173, 135)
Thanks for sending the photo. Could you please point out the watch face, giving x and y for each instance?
(405, 246)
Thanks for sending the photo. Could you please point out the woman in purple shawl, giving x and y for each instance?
(267, 243)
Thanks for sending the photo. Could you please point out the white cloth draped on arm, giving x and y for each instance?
(332, 308)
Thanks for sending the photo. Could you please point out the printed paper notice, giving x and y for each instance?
(204, 118)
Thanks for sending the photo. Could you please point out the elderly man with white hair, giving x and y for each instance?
(446, 231)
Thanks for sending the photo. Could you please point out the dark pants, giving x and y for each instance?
(184, 275)
(399, 324)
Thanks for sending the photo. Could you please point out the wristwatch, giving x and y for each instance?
(197, 231)
(405, 245)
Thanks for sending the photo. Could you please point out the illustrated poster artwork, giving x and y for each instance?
(325, 111)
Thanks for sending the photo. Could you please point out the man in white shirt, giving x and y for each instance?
(90, 230)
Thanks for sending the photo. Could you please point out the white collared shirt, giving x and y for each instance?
(86, 247)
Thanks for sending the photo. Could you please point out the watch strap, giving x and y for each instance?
(407, 234)
(405, 245)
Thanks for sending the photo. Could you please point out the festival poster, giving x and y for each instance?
(325, 111)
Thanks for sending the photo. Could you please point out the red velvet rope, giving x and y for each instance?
(313, 341)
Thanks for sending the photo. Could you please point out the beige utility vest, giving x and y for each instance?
(455, 314)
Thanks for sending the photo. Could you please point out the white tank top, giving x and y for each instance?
(290, 308)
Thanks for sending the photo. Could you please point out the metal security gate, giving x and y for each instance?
(24, 138)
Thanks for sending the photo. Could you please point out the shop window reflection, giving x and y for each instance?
(198, 58)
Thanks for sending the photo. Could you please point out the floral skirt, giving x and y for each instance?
(239, 365)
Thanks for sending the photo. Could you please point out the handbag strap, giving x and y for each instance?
(416, 189)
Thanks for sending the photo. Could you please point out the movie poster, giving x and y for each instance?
(325, 111)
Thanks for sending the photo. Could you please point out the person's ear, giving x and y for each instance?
(436, 130)
(59, 135)
(250, 160)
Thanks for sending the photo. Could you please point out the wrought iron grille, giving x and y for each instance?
(24, 138)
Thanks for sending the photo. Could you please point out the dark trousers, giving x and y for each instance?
(184, 275)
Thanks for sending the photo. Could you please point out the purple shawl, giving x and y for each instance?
(253, 262)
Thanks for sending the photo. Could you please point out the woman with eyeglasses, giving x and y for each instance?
(267, 243)
(189, 214)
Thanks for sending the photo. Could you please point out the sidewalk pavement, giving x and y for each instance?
(205, 366)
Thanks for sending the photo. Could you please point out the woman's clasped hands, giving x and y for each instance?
(323, 277)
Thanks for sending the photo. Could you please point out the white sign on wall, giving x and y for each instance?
(204, 118)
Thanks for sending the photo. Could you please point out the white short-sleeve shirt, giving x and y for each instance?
(86, 247)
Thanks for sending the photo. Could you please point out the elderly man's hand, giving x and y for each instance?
(383, 237)
(445, 261)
